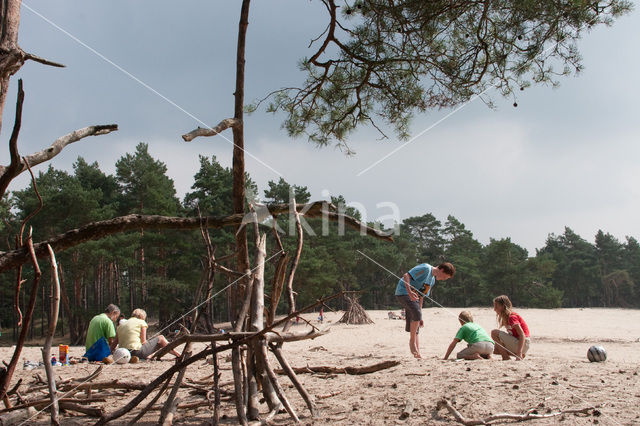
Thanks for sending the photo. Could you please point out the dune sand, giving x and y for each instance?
(556, 374)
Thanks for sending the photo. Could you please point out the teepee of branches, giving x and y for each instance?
(355, 313)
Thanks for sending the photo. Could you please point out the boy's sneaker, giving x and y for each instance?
(108, 360)
(134, 359)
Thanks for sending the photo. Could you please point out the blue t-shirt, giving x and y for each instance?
(421, 277)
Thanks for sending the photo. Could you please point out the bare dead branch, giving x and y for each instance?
(5, 378)
(45, 402)
(43, 61)
(445, 403)
(13, 169)
(59, 144)
(345, 370)
(46, 350)
(276, 386)
(294, 264)
(211, 131)
(286, 367)
(153, 401)
(98, 230)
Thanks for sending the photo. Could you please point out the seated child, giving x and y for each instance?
(480, 344)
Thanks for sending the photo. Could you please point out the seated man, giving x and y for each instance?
(132, 335)
(101, 335)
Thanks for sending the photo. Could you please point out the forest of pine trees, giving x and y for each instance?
(160, 271)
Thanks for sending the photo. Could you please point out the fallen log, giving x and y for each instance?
(530, 415)
(344, 370)
(97, 230)
(89, 411)
(113, 384)
(46, 402)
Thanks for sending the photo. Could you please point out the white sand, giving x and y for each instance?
(556, 374)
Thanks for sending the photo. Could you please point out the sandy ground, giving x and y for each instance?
(556, 374)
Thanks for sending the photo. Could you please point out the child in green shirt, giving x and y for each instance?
(479, 345)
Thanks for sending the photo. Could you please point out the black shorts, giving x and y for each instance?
(412, 310)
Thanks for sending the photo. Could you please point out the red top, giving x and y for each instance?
(517, 319)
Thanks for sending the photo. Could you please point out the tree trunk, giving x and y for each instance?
(10, 59)
(238, 156)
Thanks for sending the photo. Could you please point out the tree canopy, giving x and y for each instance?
(381, 62)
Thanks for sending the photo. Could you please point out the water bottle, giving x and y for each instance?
(53, 360)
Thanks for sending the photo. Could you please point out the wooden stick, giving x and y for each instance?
(169, 404)
(345, 370)
(46, 351)
(155, 383)
(276, 386)
(168, 420)
(505, 416)
(45, 402)
(216, 386)
(153, 401)
(89, 411)
(311, 404)
(5, 378)
(294, 264)
(239, 385)
(212, 131)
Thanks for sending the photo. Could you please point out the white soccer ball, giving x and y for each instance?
(121, 356)
(597, 354)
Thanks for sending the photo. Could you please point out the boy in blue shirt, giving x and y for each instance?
(422, 278)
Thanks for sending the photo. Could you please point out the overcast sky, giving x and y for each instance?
(563, 157)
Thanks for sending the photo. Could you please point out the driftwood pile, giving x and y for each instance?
(254, 333)
(355, 313)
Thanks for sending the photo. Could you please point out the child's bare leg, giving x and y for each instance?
(162, 342)
(499, 348)
(414, 342)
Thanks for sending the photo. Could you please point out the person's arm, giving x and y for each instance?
(412, 294)
(452, 345)
(110, 330)
(521, 338)
(113, 342)
(143, 335)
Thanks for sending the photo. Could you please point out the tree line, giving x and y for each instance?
(160, 271)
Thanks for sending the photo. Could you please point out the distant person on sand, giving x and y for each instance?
(422, 278)
(479, 345)
(101, 335)
(516, 340)
(121, 320)
(132, 335)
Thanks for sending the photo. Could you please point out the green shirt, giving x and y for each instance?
(100, 326)
(473, 333)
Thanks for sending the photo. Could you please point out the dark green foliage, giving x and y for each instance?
(282, 192)
(568, 271)
(382, 62)
(145, 187)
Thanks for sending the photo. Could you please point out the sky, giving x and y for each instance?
(565, 157)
